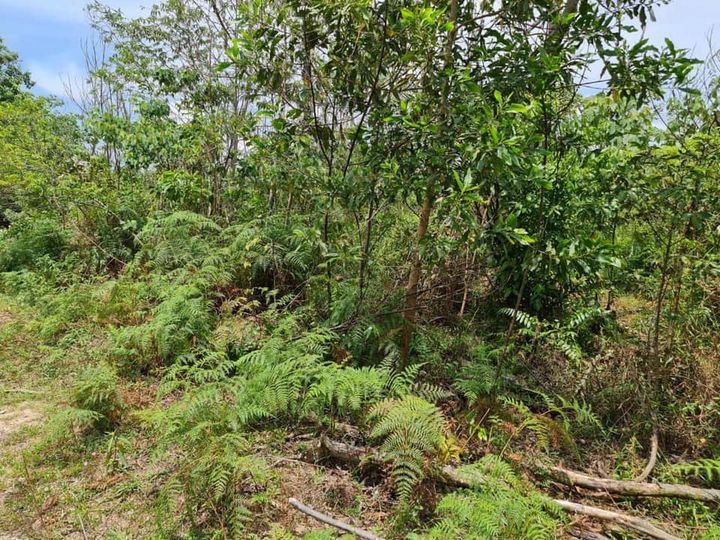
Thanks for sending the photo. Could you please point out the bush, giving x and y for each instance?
(26, 242)
(95, 389)
(94, 406)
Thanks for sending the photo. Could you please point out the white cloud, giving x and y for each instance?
(70, 10)
(50, 78)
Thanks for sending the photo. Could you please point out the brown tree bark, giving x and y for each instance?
(632, 488)
(411, 290)
(630, 522)
(329, 520)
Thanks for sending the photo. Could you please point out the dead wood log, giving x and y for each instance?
(469, 479)
(465, 478)
(324, 518)
(355, 455)
(632, 488)
(587, 535)
(348, 453)
(629, 522)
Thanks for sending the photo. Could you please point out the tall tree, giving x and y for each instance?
(13, 78)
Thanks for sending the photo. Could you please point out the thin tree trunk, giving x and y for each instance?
(411, 291)
(661, 294)
(676, 305)
(365, 255)
(609, 303)
(328, 268)
(468, 263)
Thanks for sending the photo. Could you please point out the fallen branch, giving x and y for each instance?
(630, 522)
(466, 478)
(632, 488)
(469, 479)
(356, 455)
(360, 533)
(347, 453)
(463, 477)
(587, 535)
(652, 460)
(473, 480)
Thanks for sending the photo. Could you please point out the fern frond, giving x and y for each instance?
(707, 469)
(525, 320)
(410, 428)
(501, 507)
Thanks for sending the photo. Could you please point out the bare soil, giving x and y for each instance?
(14, 417)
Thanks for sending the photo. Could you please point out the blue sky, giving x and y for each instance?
(48, 33)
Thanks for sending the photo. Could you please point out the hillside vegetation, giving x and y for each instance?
(436, 269)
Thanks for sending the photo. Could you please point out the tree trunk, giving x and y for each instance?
(411, 290)
(661, 295)
(365, 255)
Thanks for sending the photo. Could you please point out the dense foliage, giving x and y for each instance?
(416, 227)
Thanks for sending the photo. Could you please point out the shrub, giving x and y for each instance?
(95, 389)
(26, 242)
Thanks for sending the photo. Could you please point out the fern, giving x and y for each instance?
(346, 390)
(272, 383)
(708, 469)
(28, 243)
(182, 318)
(523, 319)
(573, 413)
(501, 507)
(411, 429)
(68, 424)
(555, 426)
(218, 477)
(94, 406)
(95, 389)
(476, 381)
(560, 335)
(581, 317)
(177, 240)
(530, 422)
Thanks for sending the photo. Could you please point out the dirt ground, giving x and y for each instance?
(14, 417)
